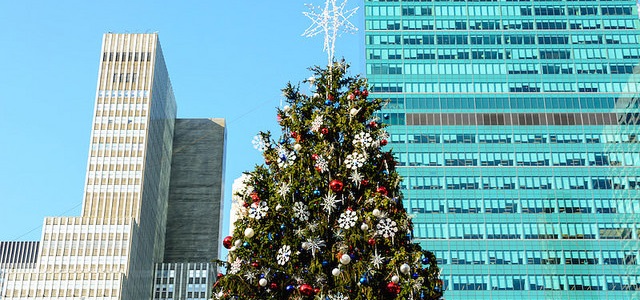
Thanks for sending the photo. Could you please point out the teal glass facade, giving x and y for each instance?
(515, 126)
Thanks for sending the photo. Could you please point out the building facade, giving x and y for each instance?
(112, 249)
(194, 213)
(515, 126)
(17, 255)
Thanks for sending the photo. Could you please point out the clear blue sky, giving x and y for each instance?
(226, 59)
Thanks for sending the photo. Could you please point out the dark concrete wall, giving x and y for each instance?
(195, 191)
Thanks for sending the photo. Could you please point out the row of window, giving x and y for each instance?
(457, 24)
(63, 292)
(454, 159)
(520, 183)
(499, 39)
(125, 124)
(525, 231)
(528, 53)
(493, 86)
(594, 2)
(526, 206)
(544, 283)
(467, 138)
(122, 93)
(537, 257)
(511, 102)
(512, 68)
(509, 119)
(463, 53)
(126, 56)
(497, 10)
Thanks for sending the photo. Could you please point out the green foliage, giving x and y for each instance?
(325, 209)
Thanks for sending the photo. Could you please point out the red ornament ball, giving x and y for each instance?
(306, 290)
(273, 286)
(393, 288)
(316, 291)
(382, 190)
(324, 130)
(373, 124)
(364, 182)
(255, 264)
(383, 142)
(336, 185)
(365, 93)
(227, 242)
(220, 275)
(255, 196)
(372, 241)
(314, 156)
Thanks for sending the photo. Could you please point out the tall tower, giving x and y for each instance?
(110, 250)
(516, 129)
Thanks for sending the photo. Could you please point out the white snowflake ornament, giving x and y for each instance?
(235, 266)
(363, 140)
(354, 160)
(284, 254)
(317, 123)
(258, 210)
(300, 211)
(387, 228)
(260, 143)
(348, 219)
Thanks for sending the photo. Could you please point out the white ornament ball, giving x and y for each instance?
(405, 269)
(311, 79)
(377, 212)
(354, 111)
(316, 95)
(278, 207)
(345, 259)
(262, 282)
(248, 233)
(395, 278)
(286, 108)
(305, 245)
(297, 147)
(237, 243)
(233, 248)
(335, 272)
(364, 227)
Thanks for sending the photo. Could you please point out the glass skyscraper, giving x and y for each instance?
(515, 125)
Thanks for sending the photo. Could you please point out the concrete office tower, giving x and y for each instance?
(111, 250)
(193, 220)
(515, 124)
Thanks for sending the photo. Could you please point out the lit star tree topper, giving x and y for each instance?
(332, 21)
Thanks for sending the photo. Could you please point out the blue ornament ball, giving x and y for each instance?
(385, 116)
(363, 280)
(328, 102)
(325, 263)
(282, 227)
(245, 244)
(425, 261)
(290, 288)
(415, 275)
(316, 193)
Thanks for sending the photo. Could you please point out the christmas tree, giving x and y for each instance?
(323, 217)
